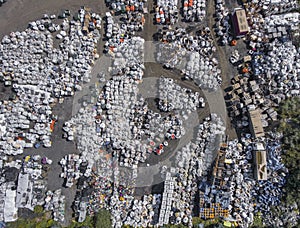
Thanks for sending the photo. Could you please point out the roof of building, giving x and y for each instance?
(256, 123)
(10, 209)
(261, 165)
(242, 20)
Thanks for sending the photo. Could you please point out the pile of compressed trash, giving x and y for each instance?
(170, 54)
(201, 66)
(222, 22)
(281, 65)
(241, 206)
(71, 165)
(277, 7)
(23, 185)
(166, 12)
(133, 12)
(144, 212)
(117, 33)
(193, 55)
(173, 97)
(194, 10)
(55, 202)
(191, 163)
(39, 73)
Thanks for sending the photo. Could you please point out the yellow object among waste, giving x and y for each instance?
(27, 158)
(227, 224)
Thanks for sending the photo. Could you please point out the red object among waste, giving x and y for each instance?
(245, 70)
(52, 125)
(172, 136)
(161, 146)
(158, 151)
(233, 43)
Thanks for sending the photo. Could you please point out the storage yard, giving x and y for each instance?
(160, 112)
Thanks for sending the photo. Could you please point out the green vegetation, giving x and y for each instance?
(102, 219)
(289, 113)
(42, 221)
(257, 221)
(38, 209)
(207, 223)
(88, 222)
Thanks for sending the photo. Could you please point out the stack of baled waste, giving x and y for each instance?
(174, 97)
(71, 169)
(241, 182)
(18, 115)
(201, 66)
(280, 26)
(128, 58)
(222, 24)
(281, 65)
(39, 72)
(144, 212)
(193, 55)
(120, 207)
(277, 7)
(55, 202)
(166, 12)
(191, 163)
(170, 54)
(117, 33)
(133, 12)
(194, 10)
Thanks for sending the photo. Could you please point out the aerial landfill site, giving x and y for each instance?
(159, 113)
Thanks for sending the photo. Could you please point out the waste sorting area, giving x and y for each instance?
(188, 134)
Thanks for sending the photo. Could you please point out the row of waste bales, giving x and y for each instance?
(222, 22)
(166, 12)
(194, 10)
(55, 202)
(191, 163)
(277, 7)
(133, 13)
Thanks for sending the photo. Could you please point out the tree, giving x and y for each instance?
(103, 219)
(38, 209)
